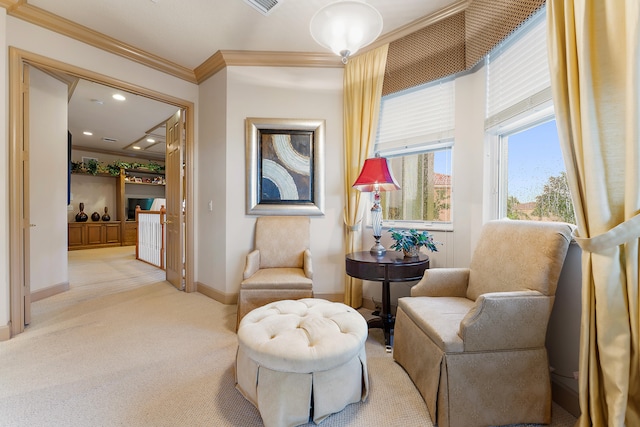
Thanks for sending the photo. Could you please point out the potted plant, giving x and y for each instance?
(410, 241)
(92, 167)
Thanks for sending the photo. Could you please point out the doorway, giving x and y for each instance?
(18, 160)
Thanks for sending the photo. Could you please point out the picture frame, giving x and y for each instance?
(285, 166)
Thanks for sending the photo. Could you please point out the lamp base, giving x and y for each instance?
(378, 250)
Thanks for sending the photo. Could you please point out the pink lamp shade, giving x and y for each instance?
(376, 175)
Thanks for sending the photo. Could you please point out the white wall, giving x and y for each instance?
(297, 93)
(48, 167)
(51, 45)
(212, 175)
(563, 332)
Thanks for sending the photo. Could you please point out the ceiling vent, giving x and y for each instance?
(264, 6)
(107, 139)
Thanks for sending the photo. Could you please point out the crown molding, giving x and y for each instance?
(10, 4)
(137, 155)
(247, 58)
(55, 23)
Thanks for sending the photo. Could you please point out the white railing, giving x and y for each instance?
(151, 236)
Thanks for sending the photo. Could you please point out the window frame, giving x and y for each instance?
(498, 137)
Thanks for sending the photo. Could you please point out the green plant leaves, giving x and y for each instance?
(407, 238)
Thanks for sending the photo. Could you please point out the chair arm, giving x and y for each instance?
(442, 282)
(506, 320)
(253, 264)
(306, 264)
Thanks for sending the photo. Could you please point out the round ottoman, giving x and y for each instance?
(302, 359)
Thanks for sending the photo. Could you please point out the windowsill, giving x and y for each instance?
(418, 225)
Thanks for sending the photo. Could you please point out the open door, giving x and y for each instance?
(175, 196)
(26, 202)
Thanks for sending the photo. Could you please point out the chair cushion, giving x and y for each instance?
(278, 278)
(439, 318)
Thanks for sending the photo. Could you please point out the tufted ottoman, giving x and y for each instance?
(302, 359)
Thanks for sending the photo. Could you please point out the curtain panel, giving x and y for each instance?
(363, 78)
(594, 58)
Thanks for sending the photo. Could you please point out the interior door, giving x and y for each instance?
(26, 206)
(174, 225)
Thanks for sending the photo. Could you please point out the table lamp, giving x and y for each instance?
(376, 176)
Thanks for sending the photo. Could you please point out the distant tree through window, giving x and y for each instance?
(536, 181)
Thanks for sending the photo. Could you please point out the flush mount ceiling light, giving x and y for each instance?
(346, 26)
(118, 97)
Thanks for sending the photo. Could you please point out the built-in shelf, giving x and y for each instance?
(119, 231)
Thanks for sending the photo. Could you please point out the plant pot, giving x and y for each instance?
(412, 252)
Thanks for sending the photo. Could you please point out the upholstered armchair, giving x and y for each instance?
(279, 267)
(473, 339)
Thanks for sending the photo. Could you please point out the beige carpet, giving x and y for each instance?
(124, 348)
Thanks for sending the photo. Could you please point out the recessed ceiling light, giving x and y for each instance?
(151, 140)
(135, 147)
(86, 132)
(118, 97)
(97, 101)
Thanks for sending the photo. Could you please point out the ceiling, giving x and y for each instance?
(187, 33)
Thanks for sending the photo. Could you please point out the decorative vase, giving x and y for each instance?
(95, 216)
(81, 216)
(106, 216)
(412, 252)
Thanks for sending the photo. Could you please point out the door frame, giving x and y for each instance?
(17, 58)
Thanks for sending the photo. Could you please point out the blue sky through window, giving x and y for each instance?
(534, 155)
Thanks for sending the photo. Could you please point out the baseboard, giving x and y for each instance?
(5, 332)
(567, 398)
(330, 297)
(227, 299)
(49, 292)
(215, 294)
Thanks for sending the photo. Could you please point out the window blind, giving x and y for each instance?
(423, 114)
(518, 72)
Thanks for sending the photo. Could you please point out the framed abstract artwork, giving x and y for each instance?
(285, 166)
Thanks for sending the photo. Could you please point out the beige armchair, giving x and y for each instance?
(280, 265)
(473, 339)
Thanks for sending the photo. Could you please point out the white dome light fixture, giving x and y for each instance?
(346, 26)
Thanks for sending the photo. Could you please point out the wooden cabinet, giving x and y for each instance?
(130, 184)
(85, 235)
(129, 233)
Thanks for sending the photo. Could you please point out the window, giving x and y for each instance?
(532, 175)
(416, 135)
(529, 176)
(425, 178)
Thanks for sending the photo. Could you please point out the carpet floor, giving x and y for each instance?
(123, 347)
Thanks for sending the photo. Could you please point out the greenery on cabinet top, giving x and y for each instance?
(93, 167)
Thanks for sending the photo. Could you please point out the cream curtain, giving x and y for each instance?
(363, 77)
(595, 71)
